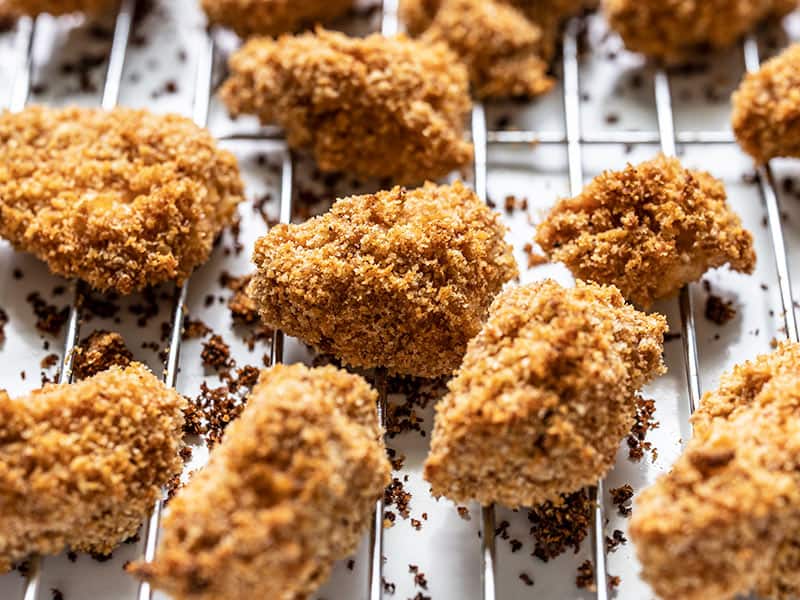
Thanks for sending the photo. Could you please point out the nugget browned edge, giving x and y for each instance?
(272, 17)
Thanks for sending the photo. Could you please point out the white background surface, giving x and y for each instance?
(447, 547)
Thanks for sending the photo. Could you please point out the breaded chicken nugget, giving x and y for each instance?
(376, 107)
(121, 199)
(272, 17)
(288, 491)
(648, 230)
(398, 279)
(544, 396)
(82, 464)
(58, 7)
(675, 30)
(724, 521)
(766, 108)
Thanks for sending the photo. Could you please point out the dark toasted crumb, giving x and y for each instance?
(614, 581)
(49, 318)
(558, 526)
(388, 586)
(98, 352)
(585, 578)
(502, 530)
(421, 596)
(49, 361)
(671, 337)
(417, 395)
(351, 564)
(56, 594)
(220, 408)
(100, 557)
(617, 539)
(396, 495)
(419, 577)
(463, 512)
(621, 498)
(194, 329)
(526, 579)
(243, 309)
(516, 546)
(3, 323)
(718, 310)
(637, 444)
(216, 353)
(534, 258)
(513, 203)
(193, 420)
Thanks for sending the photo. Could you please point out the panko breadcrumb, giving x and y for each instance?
(122, 199)
(648, 230)
(398, 279)
(58, 7)
(723, 522)
(272, 17)
(288, 491)
(766, 108)
(676, 31)
(375, 107)
(82, 464)
(544, 396)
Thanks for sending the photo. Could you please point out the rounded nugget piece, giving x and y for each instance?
(57, 7)
(544, 396)
(289, 491)
(766, 108)
(398, 279)
(82, 464)
(376, 107)
(675, 31)
(122, 199)
(648, 230)
(724, 521)
(272, 17)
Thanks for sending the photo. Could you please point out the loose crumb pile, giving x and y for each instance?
(644, 422)
(98, 352)
(558, 526)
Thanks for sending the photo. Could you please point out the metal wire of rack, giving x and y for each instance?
(482, 138)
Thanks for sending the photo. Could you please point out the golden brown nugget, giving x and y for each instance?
(544, 396)
(58, 7)
(82, 464)
(122, 199)
(273, 17)
(375, 107)
(675, 31)
(648, 230)
(724, 521)
(398, 279)
(289, 491)
(766, 108)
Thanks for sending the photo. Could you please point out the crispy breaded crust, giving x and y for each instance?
(544, 396)
(81, 465)
(58, 7)
(398, 279)
(121, 199)
(724, 520)
(766, 108)
(288, 491)
(648, 230)
(674, 31)
(272, 17)
(376, 107)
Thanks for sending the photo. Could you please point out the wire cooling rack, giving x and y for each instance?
(460, 558)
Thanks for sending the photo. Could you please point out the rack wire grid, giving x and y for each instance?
(574, 140)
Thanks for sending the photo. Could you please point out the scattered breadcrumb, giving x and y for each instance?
(57, 7)
(99, 351)
(82, 464)
(585, 578)
(560, 525)
(3, 323)
(398, 279)
(402, 103)
(644, 422)
(216, 353)
(289, 491)
(649, 230)
(719, 311)
(122, 199)
(544, 396)
(534, 258)
(621, 497)
(272, 17)
(50, 319)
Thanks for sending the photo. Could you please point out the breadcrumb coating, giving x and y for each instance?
(82, 464)
(398, 279)
(766, 108)
(544, 396)
(273, 17)
(122, 199)
(724, 520)
(648, 230)
(288, 491)
(676, 31)
(58, 7)
(375, 107)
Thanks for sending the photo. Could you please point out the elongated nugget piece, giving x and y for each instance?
(82, 464)
(678, 30)
(766, 108)
(398, 279)
(544, 396)
(724, 521)
(648, 230)
(122, 199)
(272, 17)
(58, 7)
(288, 491)
(375, 107)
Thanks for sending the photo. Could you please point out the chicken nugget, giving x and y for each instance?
(648, 230)
(376, 107)
(289, 491)
(398, 279)
(82, 464)
(724, 521)
(544, 396)
(122, 199)
(676, 31)
(766, 108)
(272, 17)
(58, 7)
